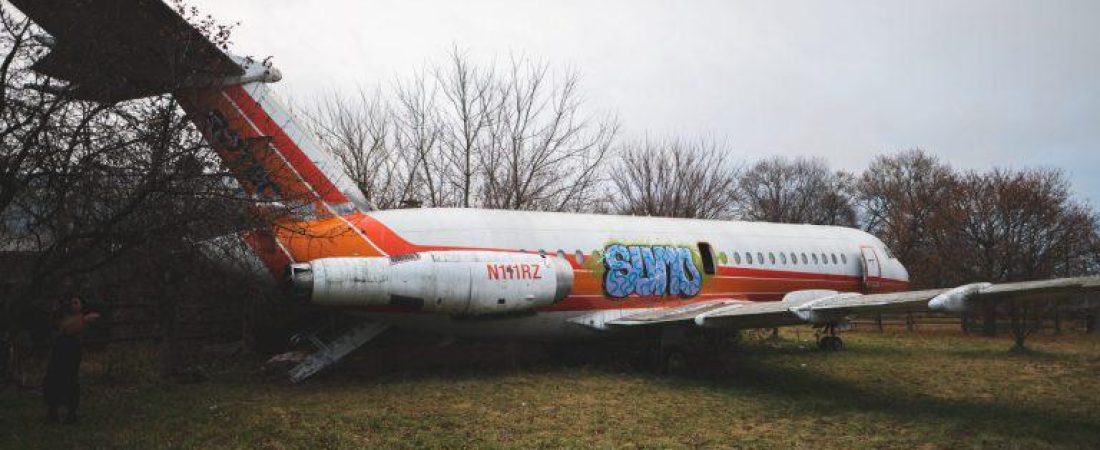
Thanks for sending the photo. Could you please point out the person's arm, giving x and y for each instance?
(91, 317)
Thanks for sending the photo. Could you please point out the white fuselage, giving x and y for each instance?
(784, 258)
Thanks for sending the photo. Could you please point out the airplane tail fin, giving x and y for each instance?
(115, 50)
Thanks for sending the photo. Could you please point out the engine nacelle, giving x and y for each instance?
(461, 283)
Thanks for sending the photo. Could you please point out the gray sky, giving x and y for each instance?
(979, 83)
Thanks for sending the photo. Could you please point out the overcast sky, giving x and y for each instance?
(978, 83)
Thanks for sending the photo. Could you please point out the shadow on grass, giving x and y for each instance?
(900, 345)
(778, 386)
(825, 395)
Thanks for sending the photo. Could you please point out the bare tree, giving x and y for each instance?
(545, 152)
(468, 135)
(418, 135)
(1022, 225)
(1016, 226)
(672, 178)
(798, 191)
(360, 131)
(93, 187)
(907, 200)
(470, 104)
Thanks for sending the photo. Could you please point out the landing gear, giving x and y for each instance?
(830, 342)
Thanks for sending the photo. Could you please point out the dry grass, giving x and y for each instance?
(888, 390)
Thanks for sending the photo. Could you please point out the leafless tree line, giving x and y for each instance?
(459, 134)
(1001, 225)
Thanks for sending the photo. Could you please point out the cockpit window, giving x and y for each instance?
(887, 252)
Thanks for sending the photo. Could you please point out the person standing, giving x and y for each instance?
(62, 384)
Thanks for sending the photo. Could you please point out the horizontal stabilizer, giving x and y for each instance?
(114, 50)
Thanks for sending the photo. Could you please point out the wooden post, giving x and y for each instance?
(1019, 327)
(878, 322)
(1057, 323)
(910, 323)
(989, 321)
(1092, 322)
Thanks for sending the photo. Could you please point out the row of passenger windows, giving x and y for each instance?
(791, 258)
(748, 258)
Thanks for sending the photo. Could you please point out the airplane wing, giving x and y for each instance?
(155, 51)
(819, 307)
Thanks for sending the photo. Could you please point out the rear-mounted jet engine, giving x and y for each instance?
(460, 283)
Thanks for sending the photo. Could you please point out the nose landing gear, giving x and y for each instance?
(830, 342)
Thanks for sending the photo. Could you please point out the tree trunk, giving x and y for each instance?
(910, 323)
(168, 312)
(1057, 323)
(7, 357)
(1092, 322)
(250, 324)
(878, 322)
(964, 323)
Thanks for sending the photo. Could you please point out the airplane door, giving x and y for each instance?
(872, 268)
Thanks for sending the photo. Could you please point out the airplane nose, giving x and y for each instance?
(903, 273)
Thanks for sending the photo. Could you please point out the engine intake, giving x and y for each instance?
(459, 283)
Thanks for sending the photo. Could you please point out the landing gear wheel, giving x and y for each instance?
(830, 343)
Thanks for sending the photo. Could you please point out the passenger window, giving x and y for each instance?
(722, 258)
(708, 258)
(736, 258)
(783, 258)
(834, 257)
(580, 257)
(794, 259)
(748, 257)
(843, 259)
(815, 257)
(824, 258)
(760, 257)
(805, 260)
(771, 257)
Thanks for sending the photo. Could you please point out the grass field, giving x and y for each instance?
(892, 390)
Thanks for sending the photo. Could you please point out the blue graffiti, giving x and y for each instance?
(245, 161)
(650, 271)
